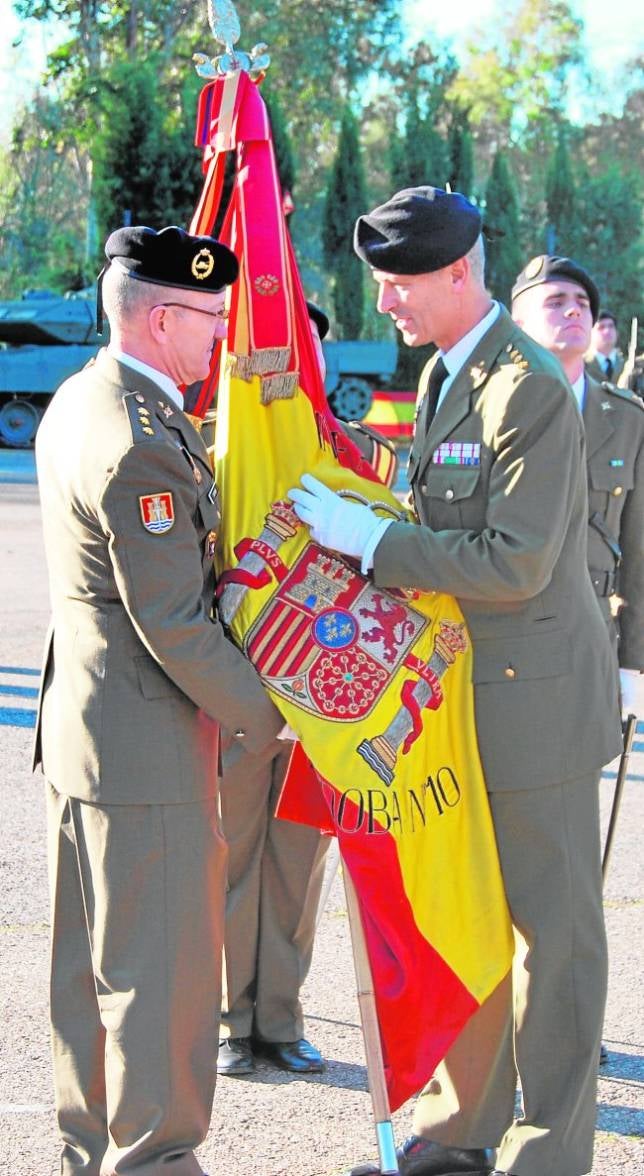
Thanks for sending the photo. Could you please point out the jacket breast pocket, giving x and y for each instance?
(525, 658)
(453, 498)
(607, 489)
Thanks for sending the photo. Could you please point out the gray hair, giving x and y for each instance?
(476, 258)
(125, 298)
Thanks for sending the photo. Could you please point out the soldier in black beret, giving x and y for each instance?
(547, 268)
(556, 301)
(142, 679)
(498, 486)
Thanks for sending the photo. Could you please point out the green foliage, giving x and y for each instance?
(146, 170)
(284, 157)
(424, 158)
(517, 69)
(346, 199)
(504, 253)
(608, 240)
(560, 200)
(461, 153)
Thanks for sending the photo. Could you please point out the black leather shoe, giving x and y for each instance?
(235, 1057)
(423, 1157)
(300, 1057)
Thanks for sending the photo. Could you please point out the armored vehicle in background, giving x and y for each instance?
(44, 338)
(354, 368)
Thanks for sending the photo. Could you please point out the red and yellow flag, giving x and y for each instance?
(376, 683)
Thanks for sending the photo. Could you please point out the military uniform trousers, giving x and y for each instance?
(549, 847)
(137, 906)
(275, 873)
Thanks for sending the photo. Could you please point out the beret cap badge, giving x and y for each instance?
(203, 263)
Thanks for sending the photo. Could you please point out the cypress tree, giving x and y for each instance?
(346, 200)
(504, 253)
(461, 151)
(560, 200)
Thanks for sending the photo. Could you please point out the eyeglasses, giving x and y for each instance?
(216, 314)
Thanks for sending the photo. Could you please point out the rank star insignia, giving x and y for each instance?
(606, 407)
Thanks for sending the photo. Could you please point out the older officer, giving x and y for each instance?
(498, 481)
(138, 677)
(555, 300)
(275, 872)
(604, 360)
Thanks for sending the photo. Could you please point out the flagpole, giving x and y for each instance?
(370, 1033)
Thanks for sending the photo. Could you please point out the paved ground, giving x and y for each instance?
(270, 1124)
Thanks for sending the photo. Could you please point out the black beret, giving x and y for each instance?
(606, 314)
(549, 268)
(418, 231)
(173, 257)
(319, 318)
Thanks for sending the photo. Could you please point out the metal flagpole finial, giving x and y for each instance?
(224, 22)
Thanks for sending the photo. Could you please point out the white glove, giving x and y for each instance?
(344, 526)
(628, 690)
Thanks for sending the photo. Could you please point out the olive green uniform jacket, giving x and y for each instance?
(138, 677)
(614, 426)
(504, 530)
(597, 372)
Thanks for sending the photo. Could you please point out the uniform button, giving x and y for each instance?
(617, 491)
(449, 494)
(423, 488)
(140, 398)
(510, 672)
(239, 734)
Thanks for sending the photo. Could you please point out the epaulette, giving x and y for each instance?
(623, 394)
(517, 357)
(142, 422)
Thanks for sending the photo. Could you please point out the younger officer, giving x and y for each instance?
(499, 488)
(555, 301)
(604, 360)
(275, 872)
(138, 676)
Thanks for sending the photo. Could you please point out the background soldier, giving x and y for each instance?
(604, 360)
(555, 301)
(275, 873)
(504, 531)
(137, 678)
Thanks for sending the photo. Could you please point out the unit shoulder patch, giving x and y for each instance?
(157, 512)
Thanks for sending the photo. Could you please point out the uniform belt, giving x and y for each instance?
(604, 583)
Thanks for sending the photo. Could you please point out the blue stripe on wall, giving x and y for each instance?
(11, 716)
(18, 670)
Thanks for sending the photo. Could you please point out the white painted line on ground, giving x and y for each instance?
(23, 1108)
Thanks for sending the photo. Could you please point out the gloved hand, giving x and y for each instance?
(628, 691)
(344, 526)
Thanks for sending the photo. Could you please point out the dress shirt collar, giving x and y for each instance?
(457, 356)
(164, 382)
(579, 390)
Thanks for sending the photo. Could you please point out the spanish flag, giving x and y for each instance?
(376, 684)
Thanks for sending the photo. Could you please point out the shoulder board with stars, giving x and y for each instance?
(141, 418)
(517, 357)
(623, 394)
